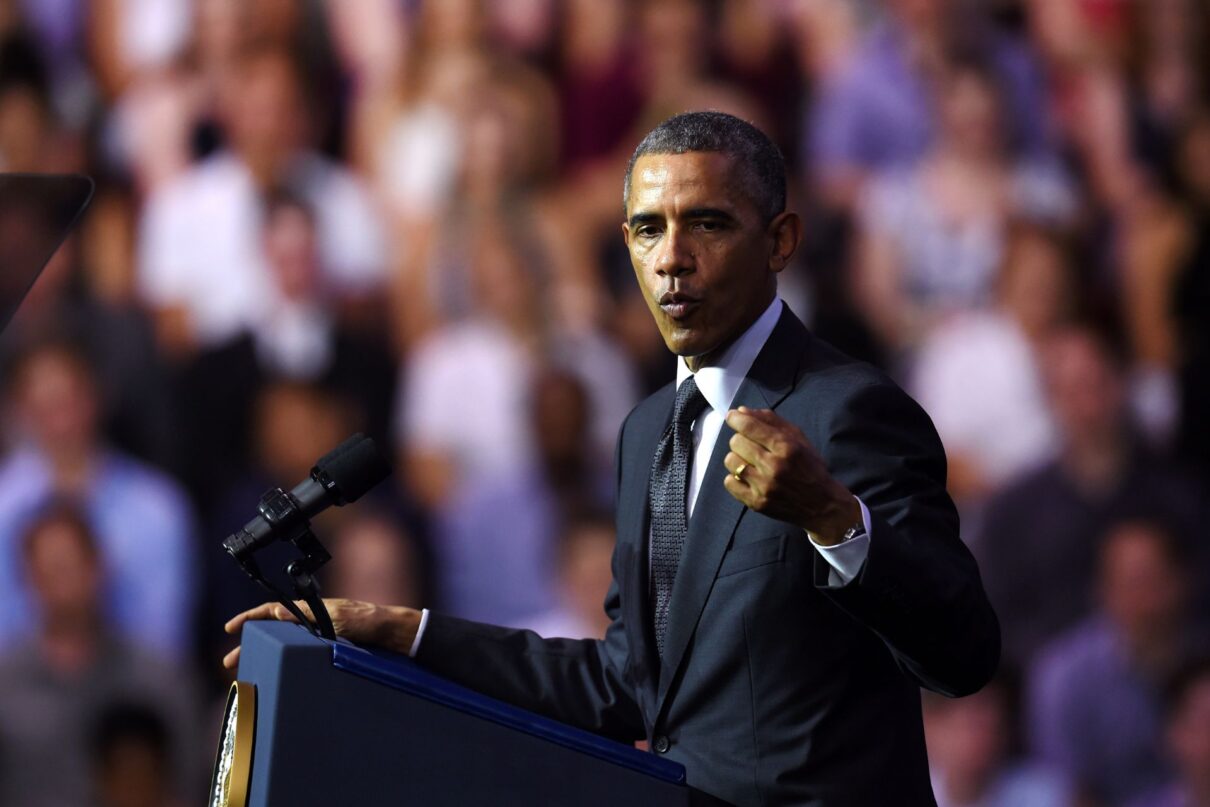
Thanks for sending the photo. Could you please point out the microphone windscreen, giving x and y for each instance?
(352, 468)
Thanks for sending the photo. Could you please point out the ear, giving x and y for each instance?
(785, 232)
(626, 234)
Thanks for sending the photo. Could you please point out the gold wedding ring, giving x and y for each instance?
(738, 473)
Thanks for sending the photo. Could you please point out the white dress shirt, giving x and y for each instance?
(719, 382)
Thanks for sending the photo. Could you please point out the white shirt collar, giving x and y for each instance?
(721, 380)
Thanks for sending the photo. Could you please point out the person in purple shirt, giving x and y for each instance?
(1095, 702)
(1187, 738)
(877, 111)
(141, 516)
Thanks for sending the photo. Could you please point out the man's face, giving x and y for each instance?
(704, 257)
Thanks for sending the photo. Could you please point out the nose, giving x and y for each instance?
(675, 255)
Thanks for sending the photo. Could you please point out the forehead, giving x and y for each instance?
(690, 179)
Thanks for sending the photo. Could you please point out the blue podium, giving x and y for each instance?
(337, 724)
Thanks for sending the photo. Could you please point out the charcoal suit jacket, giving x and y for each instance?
(776, 687)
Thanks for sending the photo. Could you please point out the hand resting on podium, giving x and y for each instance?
(392, 627)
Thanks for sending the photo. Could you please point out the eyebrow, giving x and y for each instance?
(708, 213)
(692, 213)
(644, 218)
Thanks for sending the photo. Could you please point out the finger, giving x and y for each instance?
(739, 490)
(231, 660)
(759, 431)
(262, 611)
(750, 451)
(766, 415)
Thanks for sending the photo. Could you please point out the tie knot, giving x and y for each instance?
(689, 403)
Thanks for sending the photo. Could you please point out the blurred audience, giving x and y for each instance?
(143, 519)
(932, 232)
(55, 683)
(1096, 692)
(1038, 539)
(201, 260)
(132, 761)
(877, 110)
(314, 218)
(496, 540)
(973, 758)
(584, 574)
(977, 374)
(1187, 739)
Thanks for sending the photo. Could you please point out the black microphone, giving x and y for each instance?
(339, 477)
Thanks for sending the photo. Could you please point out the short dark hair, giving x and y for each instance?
(129, 722)
(762, 161)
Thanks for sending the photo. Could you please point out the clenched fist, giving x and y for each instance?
(782, 476)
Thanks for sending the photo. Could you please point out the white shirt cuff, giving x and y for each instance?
(846, 559)
(424, 622)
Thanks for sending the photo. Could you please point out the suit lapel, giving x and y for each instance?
(717, 513)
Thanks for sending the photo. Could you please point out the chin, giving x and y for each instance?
(688, 348)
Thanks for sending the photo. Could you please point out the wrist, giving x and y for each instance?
(398, 627)
(832, 527)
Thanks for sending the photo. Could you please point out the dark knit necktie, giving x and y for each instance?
(667, 494)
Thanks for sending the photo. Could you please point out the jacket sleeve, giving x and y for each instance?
(920, 589)
(578, 681)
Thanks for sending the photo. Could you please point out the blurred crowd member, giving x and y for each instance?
(298, 336)
(495, 539)
(1166, 294)
(1037, 545)
(414, 135)
(201, 263)
(600, 94)
(1095, 694)
(142, 518)
(57, 682)
(31, 137)
(85, 295)
(127, 39)
(756, 45)
(931, 233)
(132, 763)
(373, 559)
(1187, 739)
(585, 555)
(977, 375)
(462, 411)
(526, 28)
(971, 753)
(877, 112)
(474, 137)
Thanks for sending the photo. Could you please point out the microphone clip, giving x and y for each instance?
(282, 512)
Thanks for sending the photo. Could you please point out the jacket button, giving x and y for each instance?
(661, 744)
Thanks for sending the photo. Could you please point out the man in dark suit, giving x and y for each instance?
(788, 570)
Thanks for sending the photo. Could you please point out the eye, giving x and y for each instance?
(708, 225)
(647, 231)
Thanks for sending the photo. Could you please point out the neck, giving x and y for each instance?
(1096, 464)
(70, 642)
(1156, 648)
(71, 466)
